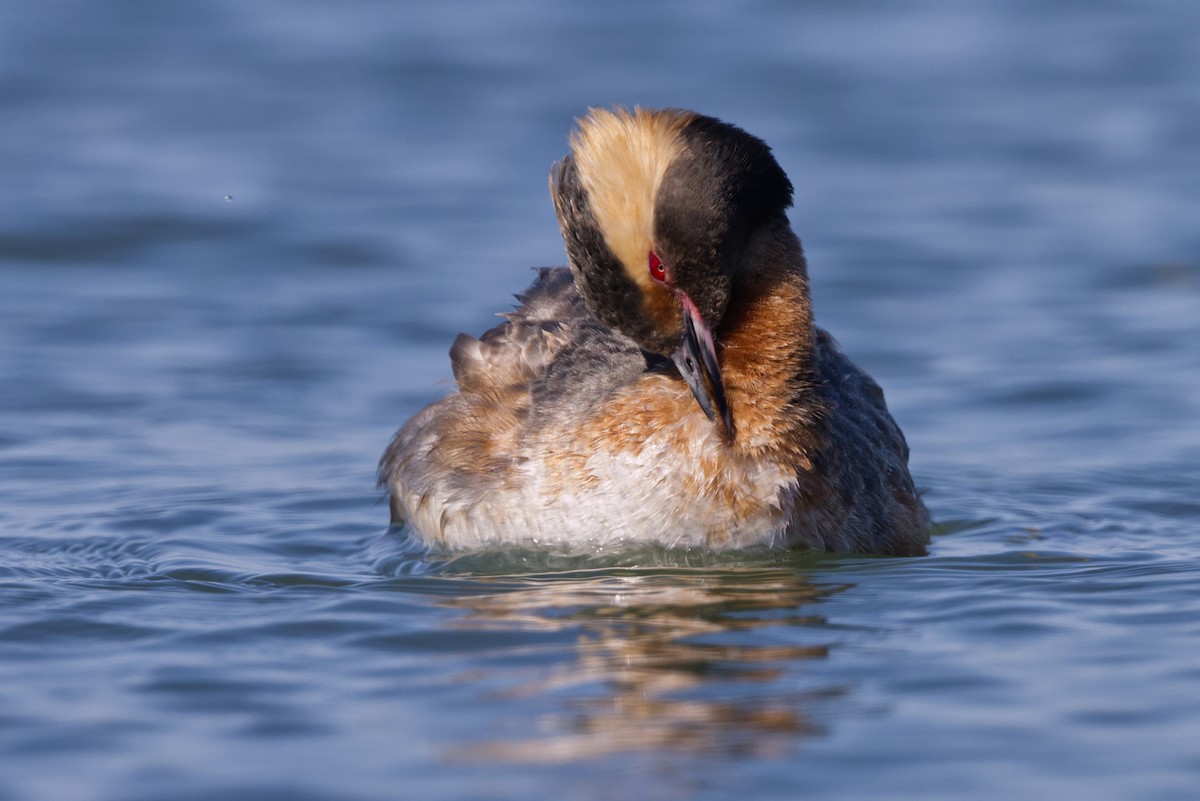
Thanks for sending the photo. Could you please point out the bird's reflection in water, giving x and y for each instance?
(701, 661)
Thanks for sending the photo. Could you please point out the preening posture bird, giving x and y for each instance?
(670, 386)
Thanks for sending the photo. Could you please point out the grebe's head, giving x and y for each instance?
(655, 208)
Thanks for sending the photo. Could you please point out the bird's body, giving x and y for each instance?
(671, 387)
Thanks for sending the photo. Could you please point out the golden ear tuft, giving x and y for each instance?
(622, 156)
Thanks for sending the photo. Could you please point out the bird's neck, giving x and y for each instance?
(767, 342)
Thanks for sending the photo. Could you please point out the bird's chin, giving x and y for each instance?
(696, 358)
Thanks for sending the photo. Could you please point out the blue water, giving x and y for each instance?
(237, 239)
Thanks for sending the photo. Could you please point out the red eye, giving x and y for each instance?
(657, 270)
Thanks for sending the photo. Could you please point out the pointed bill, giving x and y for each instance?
(696, 359)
